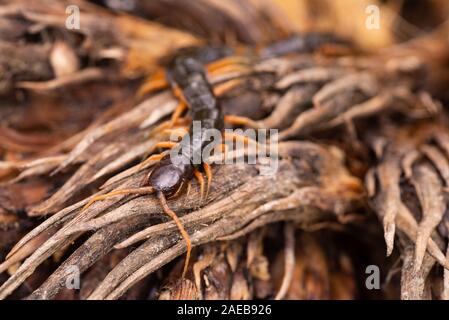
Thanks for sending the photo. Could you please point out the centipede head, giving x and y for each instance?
(169, 177)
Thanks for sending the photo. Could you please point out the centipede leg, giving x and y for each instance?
(240, 121)
(228, 69)
(181, 229)
(143, 190)
(179, 132)
(154, 157)
(159, 156)
(182, 106)
(200, 179)
(165, 145)
(156, 81)
(167, 125)
(224, 87)
(208, 172)
(226, 62)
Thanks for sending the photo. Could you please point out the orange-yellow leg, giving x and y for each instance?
(165, 145)
(240, 121)
(224, 87)
(230, 68)
(177, 92)
(167, 125)
(182, 106)
(154, 157)
(200, 179)
(178, 132)
(181, 229)
(155, 82)
(208, 172)
(159, 156)
(143, 190)
(225, 62)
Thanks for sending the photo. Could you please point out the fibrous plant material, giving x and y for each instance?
(408, 189)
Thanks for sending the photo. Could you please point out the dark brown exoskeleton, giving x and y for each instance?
(189, 77)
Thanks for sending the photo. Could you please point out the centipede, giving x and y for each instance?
(173, 172)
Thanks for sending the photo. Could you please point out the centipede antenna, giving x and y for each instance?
(183, 232)
(143, 190)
